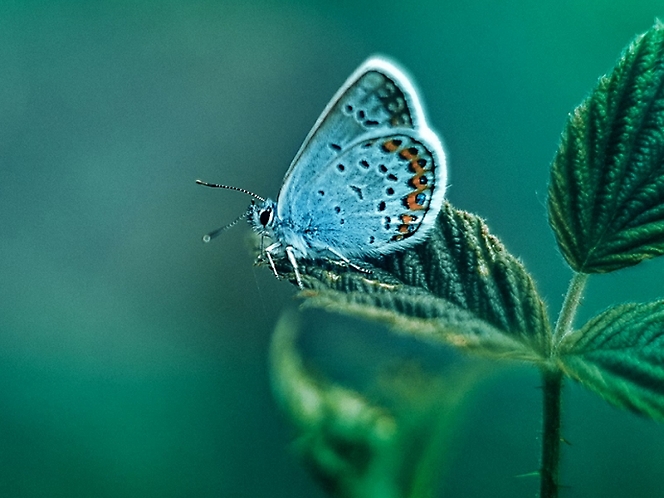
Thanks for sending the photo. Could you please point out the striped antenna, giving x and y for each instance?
(228, 187)
(209, 236)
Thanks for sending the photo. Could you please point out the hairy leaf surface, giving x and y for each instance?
(606, 197)
(461, 286)
(620, 355)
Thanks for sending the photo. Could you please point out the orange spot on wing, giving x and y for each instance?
(411, 202)
(405, 154)
(417, 182)
(390, 146)
(415, 167)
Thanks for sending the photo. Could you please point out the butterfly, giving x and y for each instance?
(368, 180)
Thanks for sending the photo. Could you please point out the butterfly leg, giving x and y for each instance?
(291, 259)
(293, 262)
(348, 262)
(268, 253)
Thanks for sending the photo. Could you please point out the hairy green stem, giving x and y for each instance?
(568, 311)
(552, 386)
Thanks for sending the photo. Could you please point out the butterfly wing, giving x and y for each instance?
(381, 194)
(370, 177)
(376, 98)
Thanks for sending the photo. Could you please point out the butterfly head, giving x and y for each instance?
(261, 217)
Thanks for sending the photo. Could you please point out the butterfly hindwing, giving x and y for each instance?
(378, 195)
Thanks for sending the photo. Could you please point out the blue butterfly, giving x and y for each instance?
(368, 180)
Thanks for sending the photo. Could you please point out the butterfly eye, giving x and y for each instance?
(266, 216)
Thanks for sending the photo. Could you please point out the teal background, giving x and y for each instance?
(133, 358)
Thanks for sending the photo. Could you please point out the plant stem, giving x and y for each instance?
(552, 388)
(568, 311)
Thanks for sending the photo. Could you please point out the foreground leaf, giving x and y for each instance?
(354, 446)
(606, 197)
(461, 286)
(620, 355)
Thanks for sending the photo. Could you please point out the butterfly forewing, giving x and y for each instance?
(376, 99)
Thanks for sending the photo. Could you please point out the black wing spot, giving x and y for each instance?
(381, 206)
(337, 209)
(321, 192)
(389, 191)
(364, 163)
(335, 146)
(413, 151)
(392, 177)
(422, 162)
(358, 191)
(382, 168)
(342, 221)
(372, 239)
(371, 122)
(349, 108)
(366, 145)
(361, 114)
(341, 167)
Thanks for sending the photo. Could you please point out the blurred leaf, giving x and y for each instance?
(460, 286)
(606, 198)
(355, 447)
(620, 355)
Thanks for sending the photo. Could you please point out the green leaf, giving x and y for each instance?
(606, 197)
(620, 355)
(354, 446)
(461, 286)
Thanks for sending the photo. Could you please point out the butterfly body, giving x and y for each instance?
(368, 180)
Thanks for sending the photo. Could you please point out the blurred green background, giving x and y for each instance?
(133, 358)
